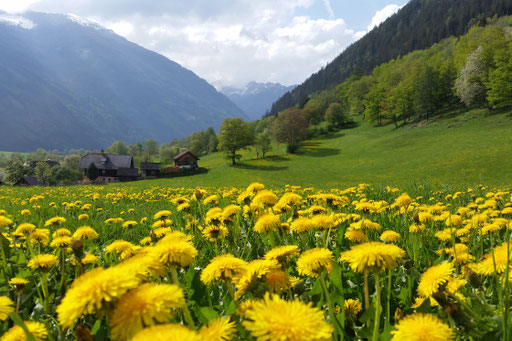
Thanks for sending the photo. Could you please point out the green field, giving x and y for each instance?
(464, 150)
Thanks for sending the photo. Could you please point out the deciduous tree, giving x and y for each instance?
(234, 134)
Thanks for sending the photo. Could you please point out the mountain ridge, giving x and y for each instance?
(413, 27)
(67, 83)
(256, 99)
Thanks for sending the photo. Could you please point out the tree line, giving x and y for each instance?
(418, 25)
(472, 70)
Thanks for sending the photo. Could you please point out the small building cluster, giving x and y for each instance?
(120, 168)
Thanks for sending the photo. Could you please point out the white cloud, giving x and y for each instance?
(231, 42)
(17, 21)
(383, 14)
(15, 6)
(122, 28)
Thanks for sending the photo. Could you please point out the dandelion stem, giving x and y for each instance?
(186, 312)
(378, 308)
(388, 303)
(334, 321)
(366, 291)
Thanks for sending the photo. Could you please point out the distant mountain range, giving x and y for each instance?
(69, 83)
(255, 99)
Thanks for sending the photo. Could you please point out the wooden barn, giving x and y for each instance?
(150, 170)
(185, 159)
(112, 168)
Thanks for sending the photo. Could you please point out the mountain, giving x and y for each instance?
(69, 83)
(255, 99)
(417, 25)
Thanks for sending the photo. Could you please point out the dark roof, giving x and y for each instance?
(50, 163)
(149, 166)
(106, 161)
(30, 180)
(183, 153)
(127, 172)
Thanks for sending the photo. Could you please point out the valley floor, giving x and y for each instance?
(465, 150)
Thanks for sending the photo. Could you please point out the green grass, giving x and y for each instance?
(464, 150)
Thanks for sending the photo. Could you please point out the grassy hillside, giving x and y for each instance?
(463, 150)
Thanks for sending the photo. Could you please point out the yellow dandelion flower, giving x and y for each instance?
(25, 212)
(282, 253)
(63, 241)
(162, 223)
(167, 332)
(4, 221)
(184, 207)
(355, 236)
(229, 212)
(91, 290)
(145, 241)
(55, 221)
(62, 232)
(265, 198)
(129, 224)
(174, 252)
(418, 327)
(487, 265)
(278, 281)
(213, 232)
(162, 214)
(244, 306)
(372, 256)
(16, 333)
(214, 216)
(267, 222)
(316, 209)
(313, 262)
(223, 267)
(83, 217)
(433, 278)
(123, 248)
(324, 221)
(220, 329)
(403, 200)
(211, 199)
(425, 217)
(5, 307)
(89, 258)
(301, 225)
(389, 236)
(44, 261)
(144, 306)
(352, 306)
(41, 236)
(276, 319)
(25, 228)
(254, 271)
(85, 233)
(255, 187)
(17, 282)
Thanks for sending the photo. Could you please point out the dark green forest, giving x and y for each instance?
(418, 25)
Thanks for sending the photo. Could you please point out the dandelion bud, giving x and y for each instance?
(416, 217)
(78, 248)
(398, 314)
(83, 333)
(299, 288)
(153, 237)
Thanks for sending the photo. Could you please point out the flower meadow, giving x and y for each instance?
(122, 262)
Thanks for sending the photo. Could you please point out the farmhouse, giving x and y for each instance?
(185, 159)
(51, 163)
(150, 170)
(28, 181)
(111, 167)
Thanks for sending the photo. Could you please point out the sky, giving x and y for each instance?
(233, 42)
